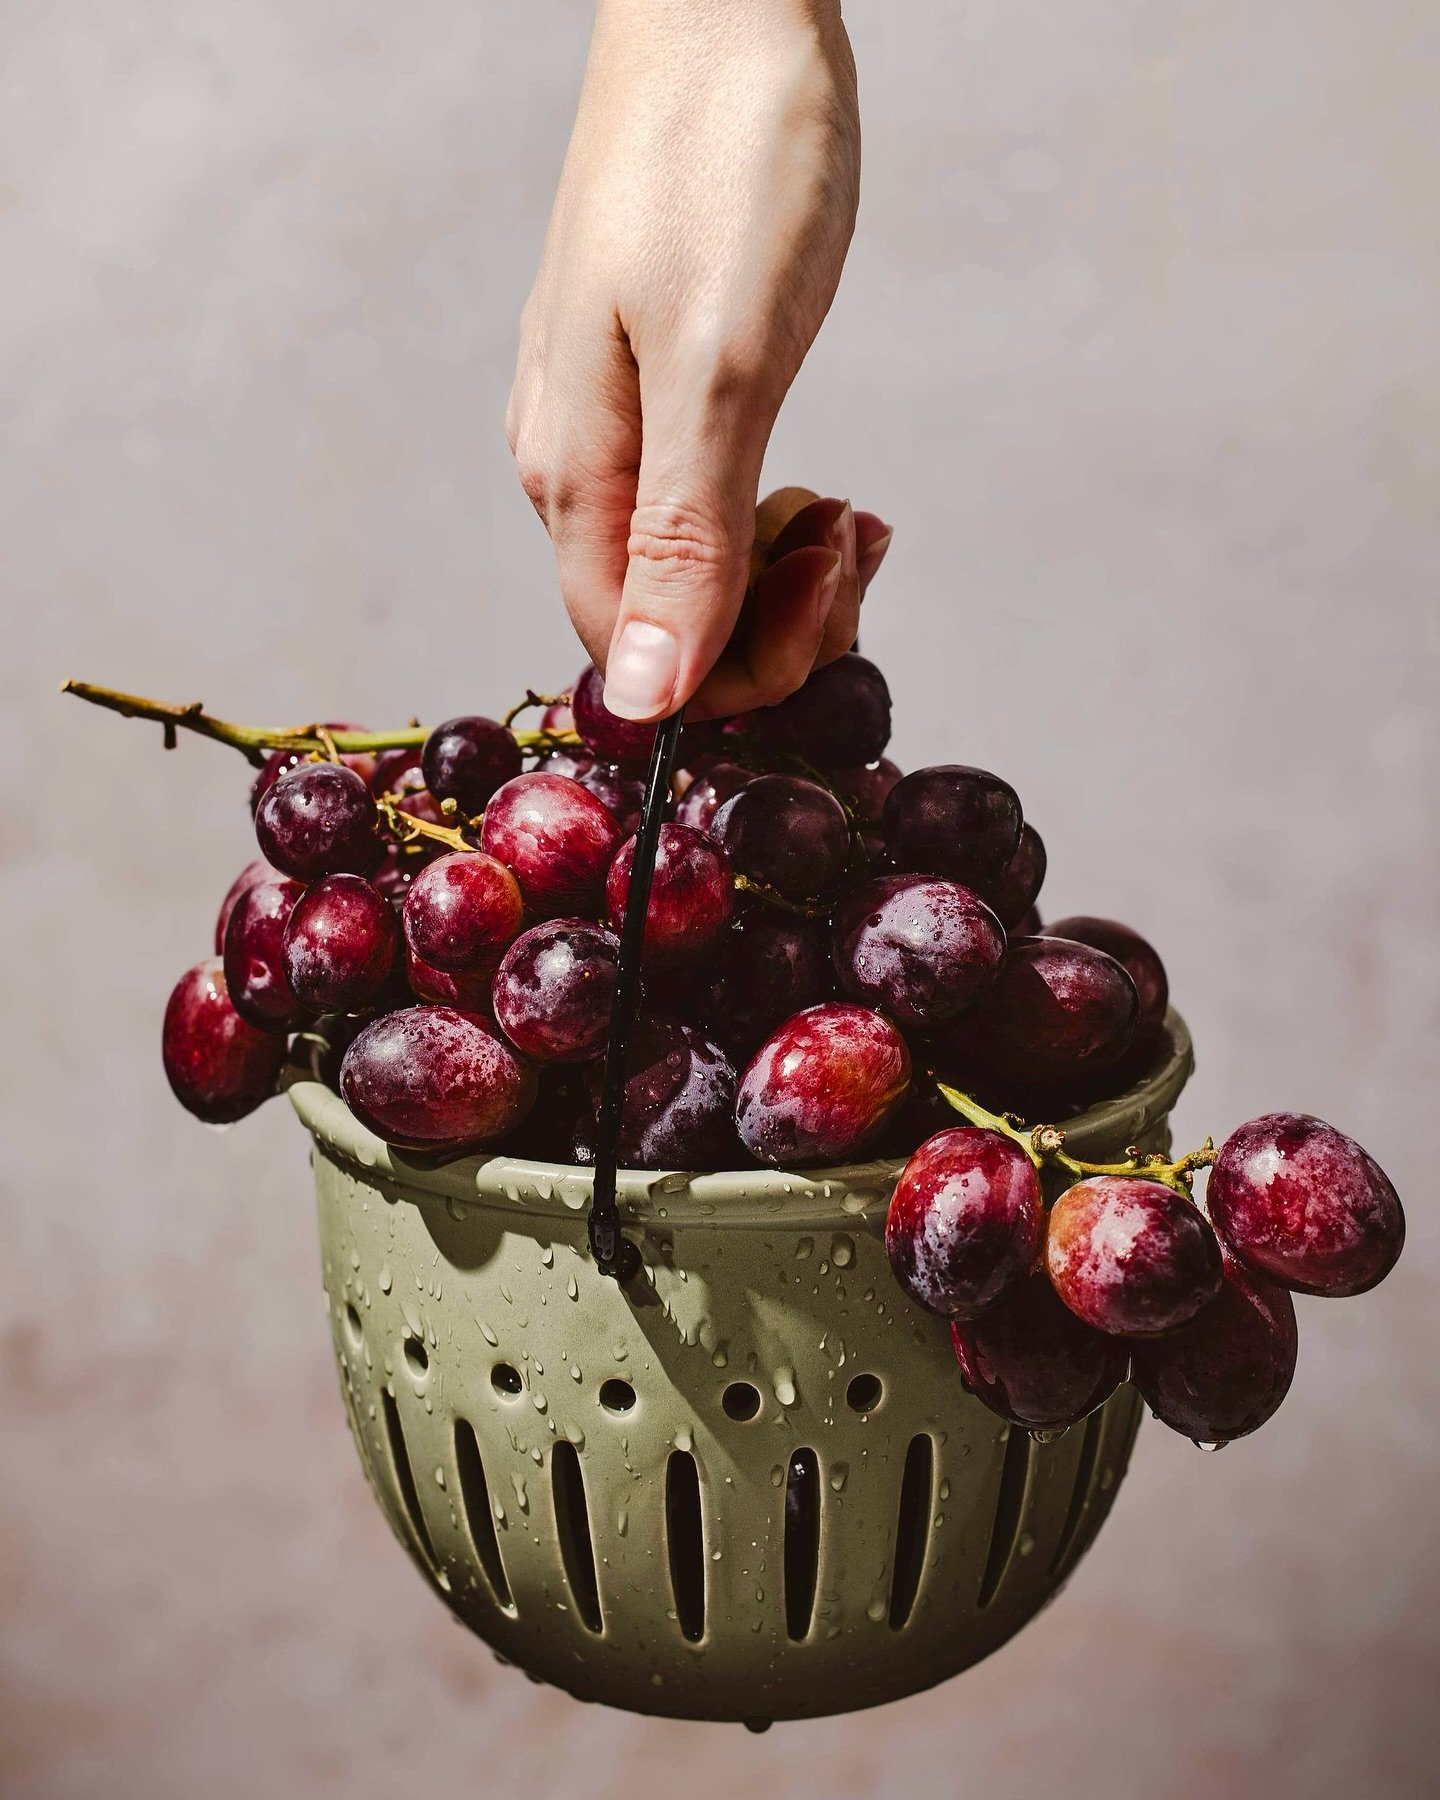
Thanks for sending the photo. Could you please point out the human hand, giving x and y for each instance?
(698, 234)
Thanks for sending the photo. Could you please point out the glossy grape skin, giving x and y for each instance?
(461, 912)
(254, 955)
(620, 792)
(867, 788)
(556, 838)
(281, 762)
(785, 833)
(838, 718)
(1012, 896)
(435, 1078)
(952, 820)
(1031, 1361)
(708, 792)
(553, 991)
(918, 948)
(468, 991)
(924, 1112)
(1223, 1374)
(612, 739)
(1056, 1012)
(243, 882)
(396, 770)
(678, 1106)
(822, 1086)
(771, 965)
(966, 1221)
(467, 758)
(557, 716)
(320, 819)
(691, 895)
(220, 1067)
(340, 944)
(401, 864)
(1138, 958)
(1302, 1203)
(1129, 1256)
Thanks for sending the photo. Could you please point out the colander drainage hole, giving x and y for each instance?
(616, 1396)
(802, 1541)
(417, 1357)
(352, 1324)
(863, 1394)
(685, 1532)
(475, 1494)
(741, 1401)
(912, 1528)
(572, 1526)
(404, 1477)
(505, 1379)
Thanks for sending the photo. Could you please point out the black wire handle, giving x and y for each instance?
(616, 1255)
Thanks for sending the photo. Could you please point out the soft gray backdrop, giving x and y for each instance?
(1138, 348)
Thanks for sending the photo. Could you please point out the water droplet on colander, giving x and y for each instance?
(499, 1512)
(488, 1335)
(945, 1488)
(457, 1210)
(783, 1382)
(1026, 1545)
(572, 1288)
(522, 1497)
(777, 1474)
(876, 1610)
(386, 1279)
(575, 1372)
(539, 1402)
(440, 1478)
(1211, 1444)
(506, 1295)
(547, 1256)
(575, 1433)
(622, 1522)
(842, 1250)
(1049, 1437)
(619, 1352)
(537, 1455)
(354, 1258)
(719, 1356)
(805, 1247)
(683, 1439)
(839, 1475)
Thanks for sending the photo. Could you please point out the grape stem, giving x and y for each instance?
(257, 741)
(1045, 1144)
(407, 827)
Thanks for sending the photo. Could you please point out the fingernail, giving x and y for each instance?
(871, 557)
(841, 537)
(642, 671)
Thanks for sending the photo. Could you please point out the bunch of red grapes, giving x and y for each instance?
(829, 946)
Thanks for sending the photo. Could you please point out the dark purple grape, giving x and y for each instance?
(771, 965)
(955, 821)
(925, 1112)
(1131, 1256)
(678, 1107)
(415, 799)
(1029, 1359)
(320, 819)
(867, 788)
(554, 989)
(403, 862)
(1056, 1011)
(557, 717)
(461, 912)
(1301, 1202)
(919, 948)
(254, 954)
(556, 838)
(243, 882)
(469, 992)
(966, 1221)
(218, 1064)
(619, 792)
(1030, 925)
(787, 834)
(1013, 895)
(466, 759)
(1226, 1372)
(1130, 950)
(612, 739)
(340, 944)
(432, 1078)
(838, 718)
(710, 789)
(691, 896)
(396, 771)
(281, 762)
(822, 1086)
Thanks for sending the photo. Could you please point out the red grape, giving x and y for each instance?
(1301, 1202)
(461, 912)
(838, 718)
(1131, 1256)
(553, 990)
(432, 1077)
(691, 897)
(218, 1064)
(1130, 950)
(773, 964)
(1013, 894)
(403, 862)
(1222, 1375)
(467, 758)
(822, 1085)
(470, 991)
(621, 793)
(281, 762)
(320, 819)
(254, 954)
(1029, 1359)
(710, 789)
(787, 834)
(243, 882)
(557, 716)
(612, 739)
(955, 821)
(340, 943)
(966, 1221)
(678, 1106)
(919, 948)
(557, 838)
(395, 770)
(867, 788)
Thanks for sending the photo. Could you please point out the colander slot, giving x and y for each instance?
(404, 1475)
(1009, 1503)
(1080, 1493)
(685, 1532)
(572, 1526)
(802, 1541)
(912, 1528)
(475, 1497)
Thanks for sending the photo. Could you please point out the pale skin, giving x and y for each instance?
(699, 230)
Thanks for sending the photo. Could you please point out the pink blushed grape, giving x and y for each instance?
(1131, 1256)
(822, 1086)
(434, 1078)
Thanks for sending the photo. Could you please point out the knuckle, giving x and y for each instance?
(678, 539)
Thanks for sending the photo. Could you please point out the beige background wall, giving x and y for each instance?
(1138, 347)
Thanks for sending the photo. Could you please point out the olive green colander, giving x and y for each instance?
(746, 1486)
